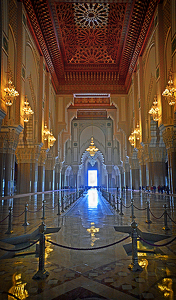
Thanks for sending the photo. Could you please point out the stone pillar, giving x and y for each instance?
(9, 137)
(135, 170)
(75, 174)
(49, 172)
(27, 158)
(57, 176)
(127, 174)
(109, 176)
(41, 170)
(122, 179)
(169, 137)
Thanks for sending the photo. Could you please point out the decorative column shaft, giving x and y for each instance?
(27, 158)
(9, 137)
(41, 170)
(169, 137)
(49, 171)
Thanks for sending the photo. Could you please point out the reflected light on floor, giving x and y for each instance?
(166, 288)
(143, 263)
(92, 198)
(18, 288)
(48, 247)
(92, 230)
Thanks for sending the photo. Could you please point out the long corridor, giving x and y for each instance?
(103, 273)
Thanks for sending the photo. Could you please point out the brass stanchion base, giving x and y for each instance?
(40, 275)
(148, 221)
(9, 231)
(166, 228)
(26, 224)
(135, 267)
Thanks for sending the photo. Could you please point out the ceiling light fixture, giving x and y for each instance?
(11, 93)
(92, 149)
(154, 110)
(27, 110)
(170, 91)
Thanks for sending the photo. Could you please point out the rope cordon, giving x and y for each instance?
(96, 248)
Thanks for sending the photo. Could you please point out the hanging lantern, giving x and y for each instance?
(170, 91)
(92, 149)
(11, 93)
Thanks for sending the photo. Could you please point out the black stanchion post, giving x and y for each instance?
(109, 198)
(132, 210)
(25, 215)
(41, 273)
(9, 230)
(113, 197)
(62, 203)
(165, 218)
(121, 213)
(66, 202)
(117, 204)
(43, 217)
(134, 266)
(58, 203)
(148, 213)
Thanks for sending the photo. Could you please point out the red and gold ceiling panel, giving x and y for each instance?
(90, 46)
(90, 32)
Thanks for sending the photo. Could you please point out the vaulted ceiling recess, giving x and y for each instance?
(94, 43)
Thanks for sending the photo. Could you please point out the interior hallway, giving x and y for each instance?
(97, 274)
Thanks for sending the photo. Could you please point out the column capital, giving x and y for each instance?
(109, 169)
(28, 154)
(148, 153)
(9, 137)
(133, 160)
(50, 161)
(75, 169)
(169, 137)
(42, 156)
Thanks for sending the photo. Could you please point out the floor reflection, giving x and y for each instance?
(92, 198)
(18, 288)
(92, 230)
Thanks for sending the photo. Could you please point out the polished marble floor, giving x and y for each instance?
(89, 223)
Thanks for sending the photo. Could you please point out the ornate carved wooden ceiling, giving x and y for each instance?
(92, 46)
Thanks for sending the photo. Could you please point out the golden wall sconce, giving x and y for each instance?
(154, 110)
(11, 93)
(170, 91)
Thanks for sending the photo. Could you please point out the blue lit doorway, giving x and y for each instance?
(92, 178)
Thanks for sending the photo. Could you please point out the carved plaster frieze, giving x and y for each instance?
(134, 163)
(133, 160)
(75, 169)
(50, 161)
(28, 154)
(9, 137)
(147, 153)
(42, 157)
(142, 155)
(109, 169)
(169, 137)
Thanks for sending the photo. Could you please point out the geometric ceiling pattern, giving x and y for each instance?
(91, 32)
(90, 46)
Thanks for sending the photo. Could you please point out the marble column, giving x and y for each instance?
(169, 137)
(57, 176)
(9, 137)
(27, 158)
(49, 171)
(109, 176)
(75, 174)
(41, 170)
(135, 170)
